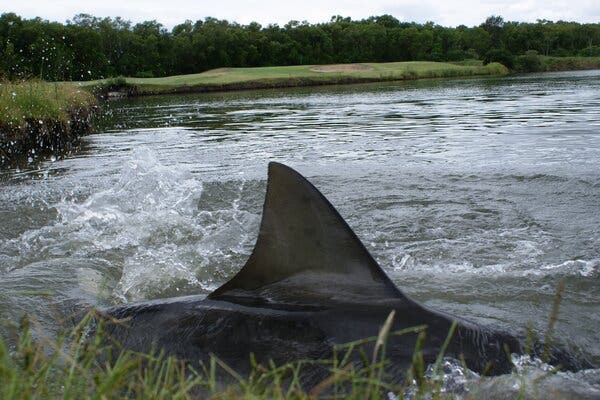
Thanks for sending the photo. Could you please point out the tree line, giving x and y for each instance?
(89, 47)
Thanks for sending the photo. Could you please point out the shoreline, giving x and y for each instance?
(236, 79)
(132, 90)
(218, 80)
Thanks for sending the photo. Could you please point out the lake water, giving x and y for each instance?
(476, 196)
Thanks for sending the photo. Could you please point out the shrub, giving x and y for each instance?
(529, 62)
(502, 56)
(592, 51)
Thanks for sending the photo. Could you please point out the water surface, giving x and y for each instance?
(477, 196)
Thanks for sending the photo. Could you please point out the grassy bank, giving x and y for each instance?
(38, 118)
(298, 75)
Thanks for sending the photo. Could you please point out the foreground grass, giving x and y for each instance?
(84, 363)
(299, 75)
(80, 365)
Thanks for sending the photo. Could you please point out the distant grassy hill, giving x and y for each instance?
(297, 75)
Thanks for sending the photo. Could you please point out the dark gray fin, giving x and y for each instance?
(306, 254)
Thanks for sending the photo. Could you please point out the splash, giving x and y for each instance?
(149, 227)
(531, 379)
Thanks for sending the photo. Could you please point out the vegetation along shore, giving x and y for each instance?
(226, 79)
(222, 79)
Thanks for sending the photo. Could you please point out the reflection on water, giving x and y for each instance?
(477, 196)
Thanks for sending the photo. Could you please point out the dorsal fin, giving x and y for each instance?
(305, 252)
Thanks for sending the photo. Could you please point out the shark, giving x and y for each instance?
(308, 286)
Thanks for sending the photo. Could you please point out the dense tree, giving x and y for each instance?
(88, 47)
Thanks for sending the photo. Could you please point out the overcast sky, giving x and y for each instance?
(447, 13)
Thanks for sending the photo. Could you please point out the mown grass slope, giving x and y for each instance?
(302, 75)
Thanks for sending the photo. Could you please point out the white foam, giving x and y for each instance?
(148, 226)
(586, 268)
(406, 263)
(530, 379)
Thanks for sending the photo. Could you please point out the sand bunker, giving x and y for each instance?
(341, 68)
(217, 70)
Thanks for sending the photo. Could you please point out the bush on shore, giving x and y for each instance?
(531, 61)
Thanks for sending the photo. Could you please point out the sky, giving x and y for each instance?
(446, 13)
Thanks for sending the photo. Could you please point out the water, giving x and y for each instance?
(476, 196)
